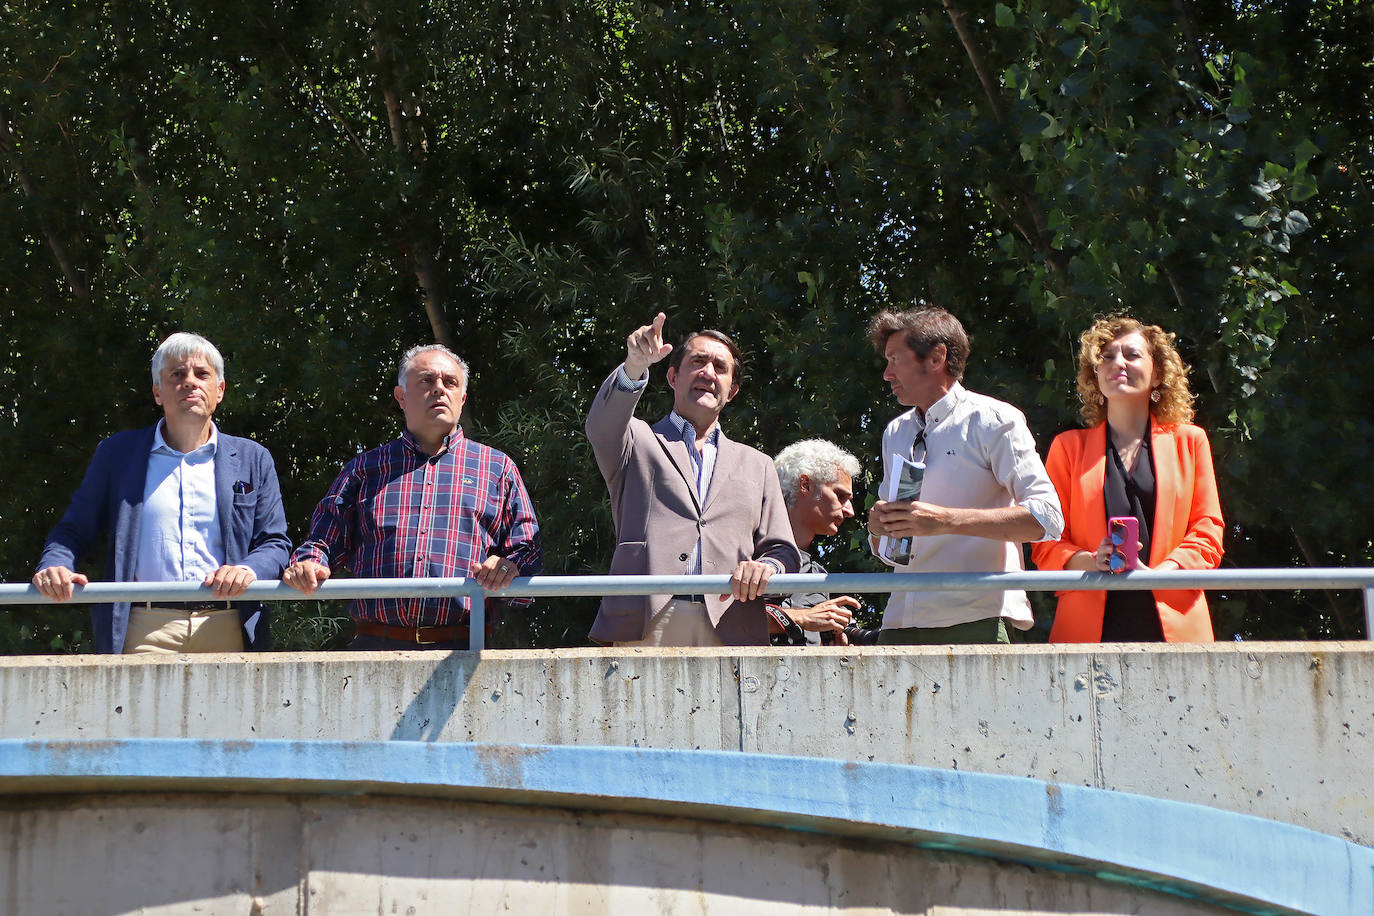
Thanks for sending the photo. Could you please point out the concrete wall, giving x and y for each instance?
(329, 856)
(413, 826)
(1281, 731)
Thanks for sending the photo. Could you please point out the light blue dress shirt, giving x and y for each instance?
(179, 537)
(705, 463)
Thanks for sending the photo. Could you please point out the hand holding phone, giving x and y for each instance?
(1124, 533)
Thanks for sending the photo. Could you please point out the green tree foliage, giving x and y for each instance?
(318, 186)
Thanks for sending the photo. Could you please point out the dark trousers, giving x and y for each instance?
(991, 630)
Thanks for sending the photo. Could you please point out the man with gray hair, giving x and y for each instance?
(818, 487)
(429, 504)
(180, 502)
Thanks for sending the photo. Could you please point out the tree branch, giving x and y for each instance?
(79, 289)
(1173, 284)
(1038, 237)
(990, 88)
(310, 89)
(422, 251)
(1337, 612)
(1190, 35)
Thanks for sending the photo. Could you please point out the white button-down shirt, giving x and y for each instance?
(979, 454)
(179, 538)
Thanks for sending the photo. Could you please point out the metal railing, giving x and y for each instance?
(834, 583)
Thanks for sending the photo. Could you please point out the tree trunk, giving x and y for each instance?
(421, 250)
(80, 290)
(1037, 232)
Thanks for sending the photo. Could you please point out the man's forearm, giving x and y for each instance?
(608, 422)
(782, 556)
(267, 561)
(528, 555)
(635, 370)
(313, 549)
(1014, 523)
(270, 549)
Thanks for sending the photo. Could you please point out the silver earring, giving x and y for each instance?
(1154, 396)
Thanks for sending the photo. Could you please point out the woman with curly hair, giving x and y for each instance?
(1139, 456)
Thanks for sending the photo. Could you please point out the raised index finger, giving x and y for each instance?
(656, 330)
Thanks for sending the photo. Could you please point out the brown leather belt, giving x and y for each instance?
(188, 605)
(420, 636)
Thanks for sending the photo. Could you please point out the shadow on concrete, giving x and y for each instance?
(427, 714)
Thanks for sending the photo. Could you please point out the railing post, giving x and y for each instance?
(477, 616)
(1369, 611)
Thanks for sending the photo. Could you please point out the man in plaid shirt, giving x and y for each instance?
(431, 503)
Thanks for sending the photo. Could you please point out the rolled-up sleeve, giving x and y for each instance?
(518, 538)
(1017, 466)
(330, 525)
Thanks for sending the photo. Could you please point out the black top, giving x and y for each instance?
(1131, 616)
(795, 635)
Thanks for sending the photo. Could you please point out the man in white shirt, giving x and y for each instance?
(177, 501)
(984, 493)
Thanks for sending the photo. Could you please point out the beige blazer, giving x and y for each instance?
(658, 517)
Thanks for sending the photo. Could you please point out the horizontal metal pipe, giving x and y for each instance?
(834, 583)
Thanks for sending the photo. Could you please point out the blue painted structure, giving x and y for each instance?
(1245, 863)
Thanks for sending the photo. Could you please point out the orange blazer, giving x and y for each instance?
(1186, 534)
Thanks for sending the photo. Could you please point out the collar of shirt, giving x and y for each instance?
(451, 442)
(941, 409)
(688, 432)
(179, 536)
(705, 459)
(160, 446)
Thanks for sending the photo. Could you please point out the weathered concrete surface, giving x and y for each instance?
(1117, 839)
(1281, 731)
(274, 856)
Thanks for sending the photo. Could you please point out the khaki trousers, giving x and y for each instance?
(679, 623)
(165, 631)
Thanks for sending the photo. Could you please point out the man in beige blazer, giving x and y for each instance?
(686, 499)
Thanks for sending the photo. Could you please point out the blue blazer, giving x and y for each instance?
(110, 501)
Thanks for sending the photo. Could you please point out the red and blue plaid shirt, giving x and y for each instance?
(396, 512)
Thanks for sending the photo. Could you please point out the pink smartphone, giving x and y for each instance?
(1124, 530)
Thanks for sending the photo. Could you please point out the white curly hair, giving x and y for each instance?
(819, 460)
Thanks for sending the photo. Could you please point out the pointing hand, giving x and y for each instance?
(645, 347)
